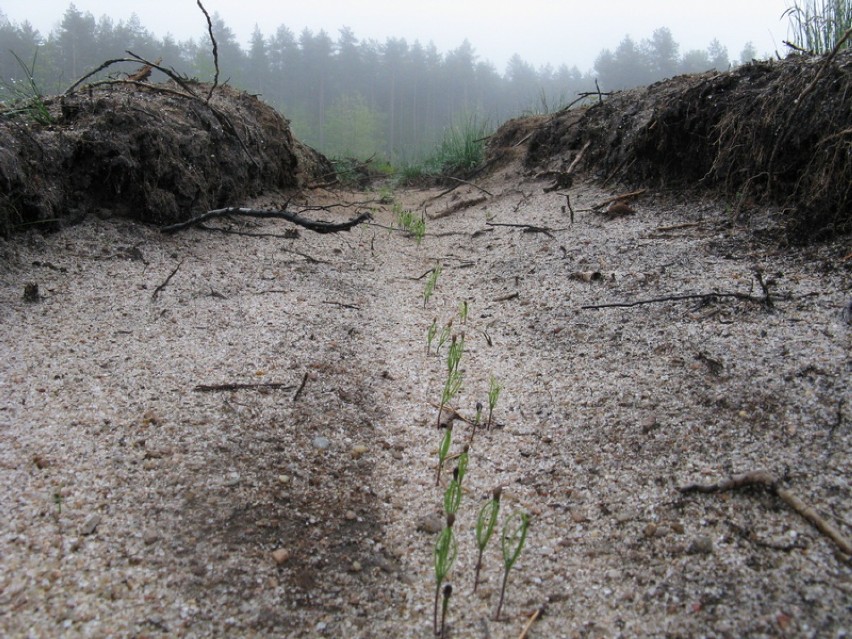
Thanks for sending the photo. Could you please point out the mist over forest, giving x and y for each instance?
(346, 96)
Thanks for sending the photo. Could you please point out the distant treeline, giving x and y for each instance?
(345, 96)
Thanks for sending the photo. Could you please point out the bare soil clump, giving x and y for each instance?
(150, 153)
(768, 132)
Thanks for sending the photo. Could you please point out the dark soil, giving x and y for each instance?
(154, 154)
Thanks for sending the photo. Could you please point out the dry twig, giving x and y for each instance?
(166, 281)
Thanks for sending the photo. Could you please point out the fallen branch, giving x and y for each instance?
(617, 198)
(458, 206)
(677, 298)
(528, 228)
(317, 226)
(768, 481)
(210, 388)
(459, 182)
(166, 281)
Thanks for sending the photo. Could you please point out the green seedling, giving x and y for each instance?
(494, 389)
(485, 524)
(453, 494)
(514, 536)
(463, 311)
(430, 335)
(461, 467)
(57, 499)
(448, 592)
(430, 283)
(444, 336)
(446, 550)
(443, 450)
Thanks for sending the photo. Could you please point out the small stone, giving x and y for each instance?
(90, 524)
(358, 451)
(31, 293)
(350, 515)
(701, 546)
(677, 527)
(284, 479)
(281, 556)
(356, 567)
(650, 530)
(578, 516)
(150, 536)
(625, 515)
(431, 523)
(320, 442)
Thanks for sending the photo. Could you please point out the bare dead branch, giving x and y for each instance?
(317, 226)
(617, 198)
(677, 298)
(215, 50)
(528, 228)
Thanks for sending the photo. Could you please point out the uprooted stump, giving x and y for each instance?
(773, 131)
(146, 153)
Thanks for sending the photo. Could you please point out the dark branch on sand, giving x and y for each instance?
(317, 226)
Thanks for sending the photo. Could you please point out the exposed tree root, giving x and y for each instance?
(768, 481)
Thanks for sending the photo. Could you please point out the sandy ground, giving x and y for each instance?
(138, 503)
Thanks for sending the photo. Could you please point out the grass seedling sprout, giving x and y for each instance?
(514, 536)
(430, 335)
(443, 450)
(463, 311)
(444, 336)
(453, 494)
(485, 524)
(448, 592)
(464, 458)
(430, 283)
(446, 550)
(494, 389)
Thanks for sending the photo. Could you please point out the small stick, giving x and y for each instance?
(207, 388)
(616, 198)
(166, 282)
(301, 387)
(530, 622)
(675, 298)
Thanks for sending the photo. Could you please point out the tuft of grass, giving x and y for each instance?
(462, 148)
(410, 222)
(514, 536)
(27, 96)
(818, 26)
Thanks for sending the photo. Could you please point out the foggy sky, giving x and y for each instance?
(540, 31)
